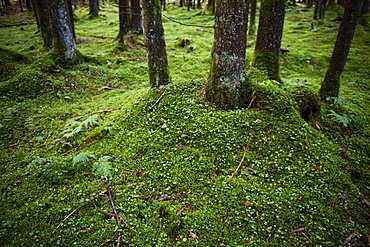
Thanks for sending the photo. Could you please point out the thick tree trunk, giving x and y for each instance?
(226, 82)
(331, 84)
(252, 18)
(136, 16)
(124, 19)
(269, 35)
(44, 22)
(94, 7)
(155, 43)
(64, 45)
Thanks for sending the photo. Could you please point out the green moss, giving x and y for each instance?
(268, 62)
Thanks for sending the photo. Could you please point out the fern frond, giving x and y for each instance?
(103, 167)
(337, 100)
(344, 119)
(82, 157)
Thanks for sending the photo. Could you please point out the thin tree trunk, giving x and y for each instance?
(44, 22)
(365, 14)
(20, 5)
(181, 3)
(252, 18)
(309, 3)
(155, 43)
(28, 5)
(64, 45)
(226, 83)
(124, 19)
(269, 35)
(94, 8)
(136, 16)
(331, 84)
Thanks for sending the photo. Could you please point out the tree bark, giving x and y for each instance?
(28, 5)
(269, 35)
(64, 45)
(94, 8)
(319, 11)
(226, 83)
(252, 18)
(331, 84)
(365, 14)
(155, 43)
(124, 19)
(136, 16)
(44, 22)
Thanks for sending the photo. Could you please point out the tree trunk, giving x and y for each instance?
(20, 5)
(136, 16)
(64, 45)
(28, 5)
(43, 18)
(155, 43)
(341, 2)
(71, 17)
(252, 18)
(319, 11)
(269, 35)
(226, 83)
(331, 84)
(94, 8)
(181, 3)
(309, 3)
(365, 14)
(124, 19)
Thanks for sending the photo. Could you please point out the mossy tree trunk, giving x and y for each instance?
(331, 84)
(269, 35)
(252, 17)
(136, 16)
(44, 22)
(226, 82)
(64, 45)
(124, 19)
(155, 43)
(94, 8)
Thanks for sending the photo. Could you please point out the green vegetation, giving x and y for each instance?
(168, 153)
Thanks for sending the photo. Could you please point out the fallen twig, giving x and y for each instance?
(69, 215)
(106, 213)
(241, 161)
(114, 207)
(349, 239)
(253, 97)
(160, 97)
(112, 202)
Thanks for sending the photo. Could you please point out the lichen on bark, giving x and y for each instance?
(226, 80)
(64, 46)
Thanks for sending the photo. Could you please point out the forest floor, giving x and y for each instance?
(79, 145)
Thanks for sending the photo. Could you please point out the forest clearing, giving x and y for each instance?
(105, 151)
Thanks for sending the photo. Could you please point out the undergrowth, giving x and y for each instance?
(169, 156)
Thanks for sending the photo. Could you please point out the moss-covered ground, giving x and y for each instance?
(170, 157)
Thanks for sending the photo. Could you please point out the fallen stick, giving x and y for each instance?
(241, 161)
(69, 215)
(160, 97)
